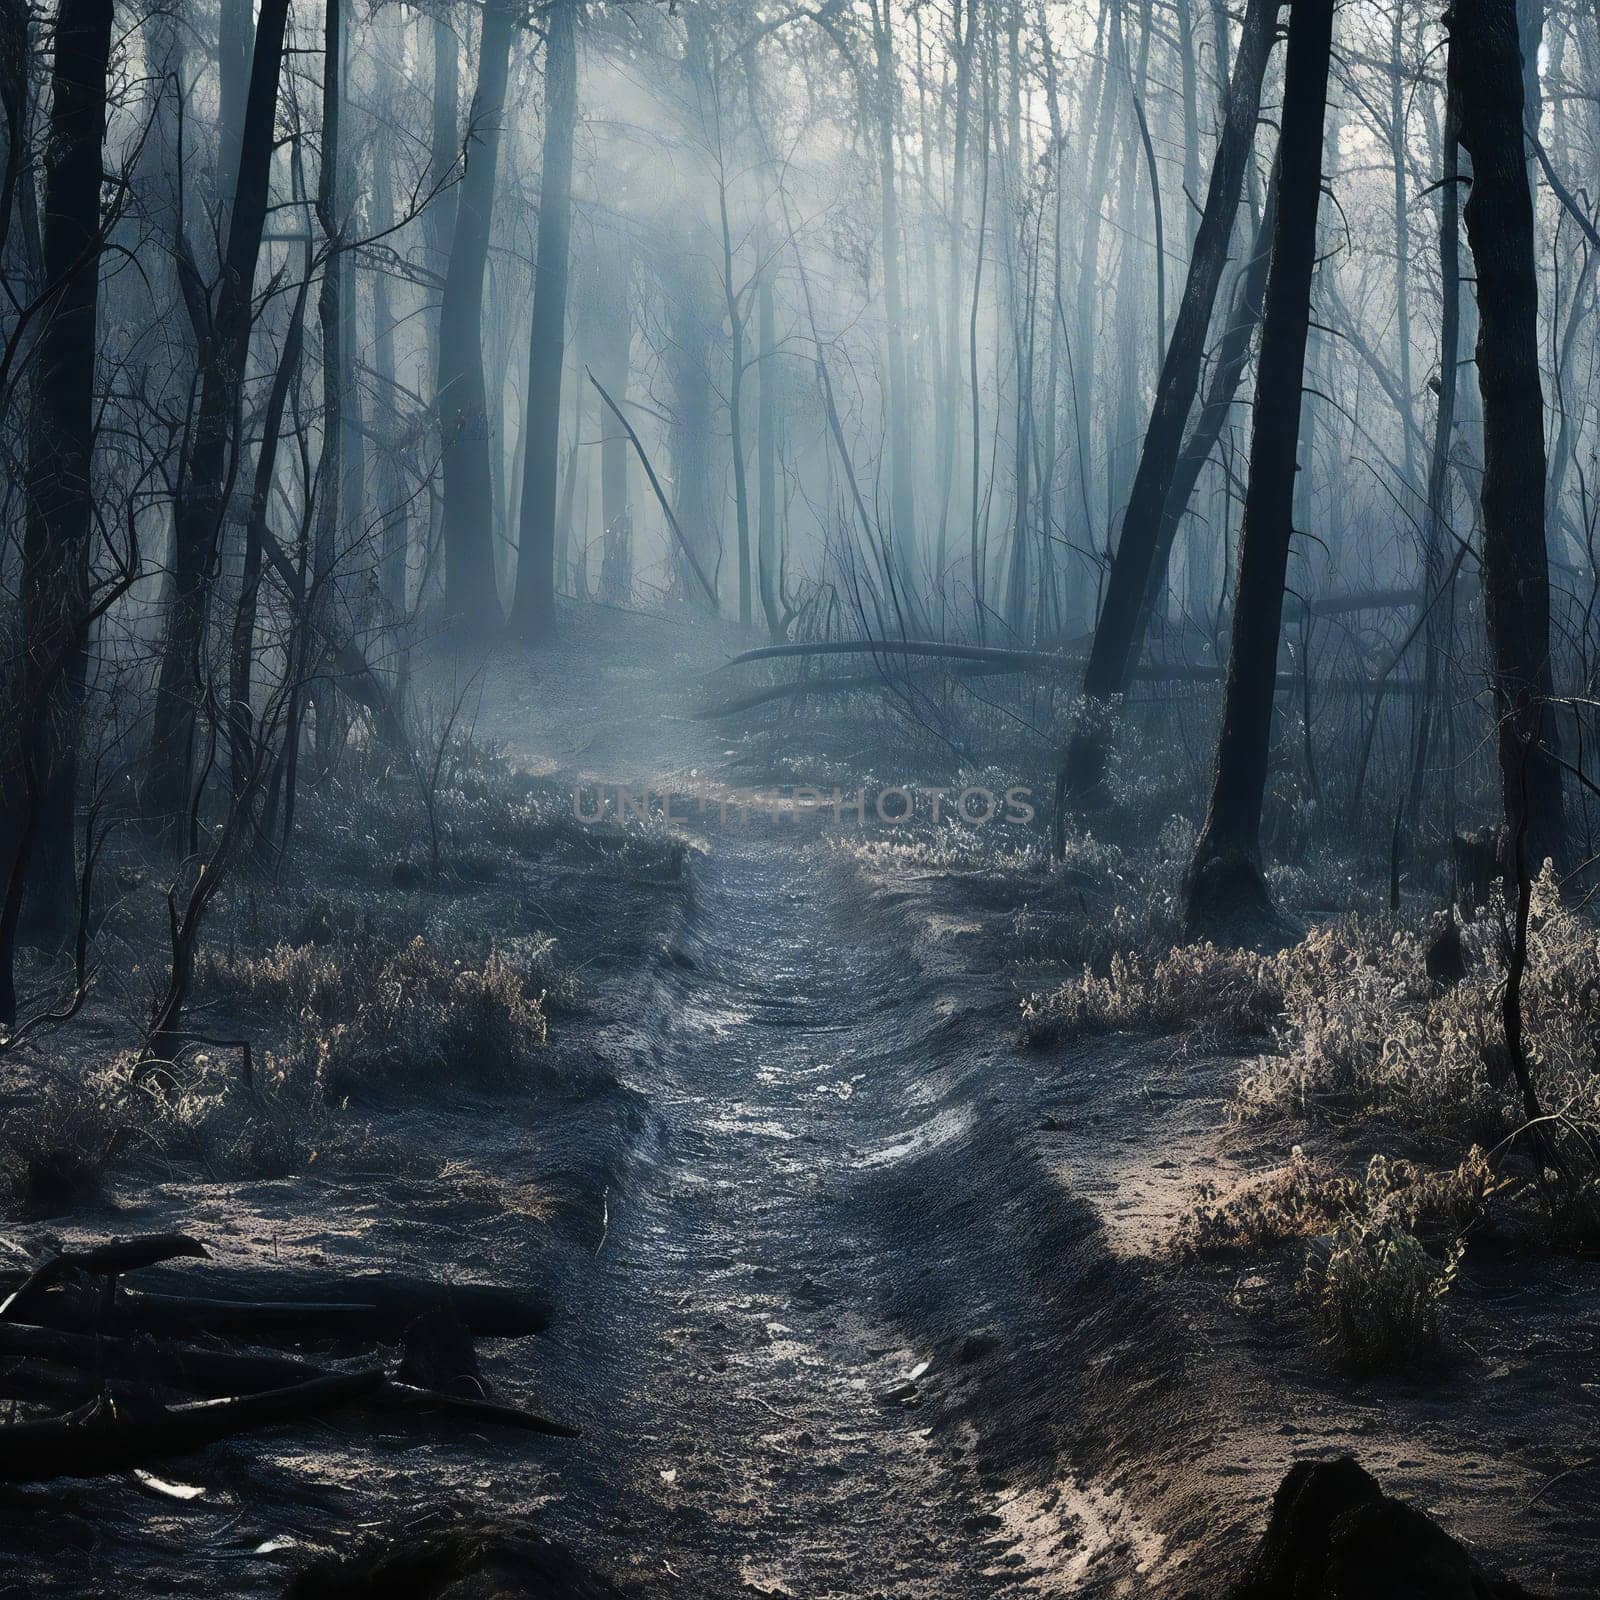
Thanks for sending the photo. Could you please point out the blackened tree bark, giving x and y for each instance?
(197, 521)
(439, 219)
(1402, 231)
(1224, 888)
(56, 532)
(768, 557)
(1435, 613)
(733, 299)
(614, 337)
(1227, 370)
(1486, 103)
(949, 417)
(233, 89)
(534, 605)
(242, 752)
(902, 490)
(691, 338)
(16, 177)
(444, 147)
(1117, 634)
(336, 385)
(471, 597)
(1101, 111)
(395, 538)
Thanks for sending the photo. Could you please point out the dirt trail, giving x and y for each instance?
(764, 1394)
(763, 1428)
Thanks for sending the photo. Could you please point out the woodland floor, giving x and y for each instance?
(858, 1295)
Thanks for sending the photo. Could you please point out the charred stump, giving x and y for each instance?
(1334, 1534)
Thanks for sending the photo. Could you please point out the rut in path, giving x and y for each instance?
(755, 1425)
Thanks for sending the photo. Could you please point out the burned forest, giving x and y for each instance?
(800, 798)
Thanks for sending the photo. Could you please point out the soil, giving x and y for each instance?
(858, 1295)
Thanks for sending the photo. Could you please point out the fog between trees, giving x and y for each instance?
(929, 321)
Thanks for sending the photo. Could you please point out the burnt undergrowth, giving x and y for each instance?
(409, 945)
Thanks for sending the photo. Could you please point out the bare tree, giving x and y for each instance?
(1486, 110)
(212, 457)
(1118, 632)
(1224, 887)
(471, 594)
(533, 608)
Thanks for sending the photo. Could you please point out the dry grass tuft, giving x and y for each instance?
(1306, 1199)
(57, 1146)
(1375, 1287)
(372, 1014)
(1197, 986)
(60, 1147)
(1361, 1031)
(1378, 1292)
(481, 816)
(1366, 1032)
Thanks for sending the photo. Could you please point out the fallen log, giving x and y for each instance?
(291, 1303)
(392, 1300)
(939, 649)
(51, 1366)
(129, 1255)
(198, 1369)
(109, 1260)
(349, 666)
(398, 1396)
(75, 1309)
(661, 499)
(1019, 661)
(802, 687)
(1068, 654)
(103, 1439)
(44, 1383)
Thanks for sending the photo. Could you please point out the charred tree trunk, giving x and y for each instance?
(202, 500)
(1117, 635)
(689, 357)
(233, 90)
(390, 478)
(1048, 612)
(768, 560)
(615, 332)
(242, 753)
(734, 304)
(1402, 233)
(332, 506)
(59, 505)
(1224, 887)
(1435, 613)
(16, 105)
(1232, 356)
(1101, 112)
(1191, 118)
(902, 493)
(949, 418)
(471, 595)
(444, 147)
(439, 227)
(534, 607)
(1485, 77)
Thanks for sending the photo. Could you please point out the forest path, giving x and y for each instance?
(755, 1426)
(755, 1423)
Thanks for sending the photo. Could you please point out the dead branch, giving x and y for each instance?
(104, 1439)
(36, 1357)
